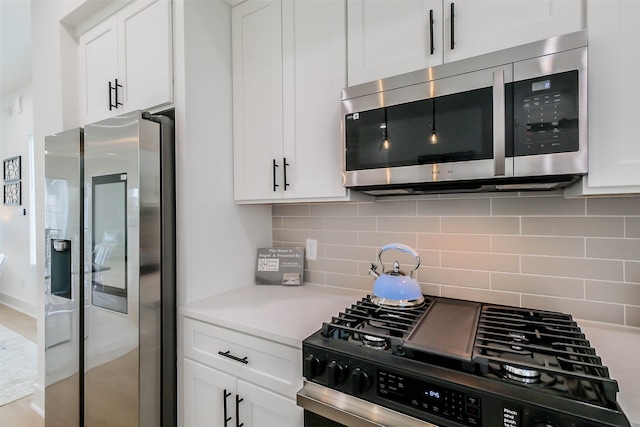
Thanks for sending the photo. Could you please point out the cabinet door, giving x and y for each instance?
(614, 40)
(482, 26)
(257, 100)
(386, 38)
(206, 392)
(146, 68)
(314, 41)
(98, 59)
(262, 408)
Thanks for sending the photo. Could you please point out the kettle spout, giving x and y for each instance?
(373, 272)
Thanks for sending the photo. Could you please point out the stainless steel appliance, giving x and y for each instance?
(110, 346)
(455, 363)
(510, 120)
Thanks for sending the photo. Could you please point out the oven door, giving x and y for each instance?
(325, 407)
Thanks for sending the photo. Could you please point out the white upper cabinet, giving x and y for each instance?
(126, 61)
(614, 151)
(257, 99)
(289, 66)
(387, 38)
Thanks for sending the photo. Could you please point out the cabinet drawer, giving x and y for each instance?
(267, 363)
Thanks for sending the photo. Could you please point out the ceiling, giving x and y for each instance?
(15, 45)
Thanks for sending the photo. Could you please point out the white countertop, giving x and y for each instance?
(286, 314)
(619, 348)
(289, 314)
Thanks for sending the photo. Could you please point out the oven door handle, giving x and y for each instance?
(499, 123)
(351, 411)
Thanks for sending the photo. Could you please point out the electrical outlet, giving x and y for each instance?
(312, 249)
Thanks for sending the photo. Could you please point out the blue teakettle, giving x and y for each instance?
(395, 289)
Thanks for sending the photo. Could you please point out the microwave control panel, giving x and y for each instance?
(546, 114)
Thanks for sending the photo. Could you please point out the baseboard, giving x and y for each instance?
(18, 304)
(37, 403)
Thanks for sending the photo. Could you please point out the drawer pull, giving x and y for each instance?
(231, 356)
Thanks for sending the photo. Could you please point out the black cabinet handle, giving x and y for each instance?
(453, 20)
(110, 97)
(238, 400)
(228, 354)
(275, 165)
(433, 49)
(115, 90)
(285, 173)
(226, 418)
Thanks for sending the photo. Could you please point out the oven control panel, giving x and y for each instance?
(435, 399)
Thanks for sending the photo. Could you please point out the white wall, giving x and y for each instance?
(18, 285)
(217, 239)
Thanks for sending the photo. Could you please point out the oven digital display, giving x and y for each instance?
(423, 396)
(543, 85)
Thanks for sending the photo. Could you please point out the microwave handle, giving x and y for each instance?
(499, 126)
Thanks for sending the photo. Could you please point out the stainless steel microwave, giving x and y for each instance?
(510, 120)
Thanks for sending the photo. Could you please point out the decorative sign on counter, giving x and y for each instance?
(280, 266)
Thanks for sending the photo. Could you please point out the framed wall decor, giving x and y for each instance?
(11, 167)
(12, 185)
(12, 193)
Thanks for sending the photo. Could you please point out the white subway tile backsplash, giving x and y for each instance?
(355, 253)
(350, 223)
(580, 256)
(389, 208)
(303, 223)
(627, 249)
(492, 297)
(454, 277)
(632, 226)
(532, 245)
(622, 293)
(290, 210)
(619, 206)
(538, 285)
(545, 206)
(481, 261)
(333, 237)
(632, 272)
(582, 268)
(334, 209)
(589, 310)
(379, 239)
(455, 207)
(455, 242)
(481, 225)
(409, 225)
(573, 226)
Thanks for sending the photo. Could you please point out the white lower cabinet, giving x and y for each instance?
(233, 379)
(213, 398)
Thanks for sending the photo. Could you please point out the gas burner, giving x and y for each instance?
(369, 336)
(522, 375)
(518, 338)
(374, 342)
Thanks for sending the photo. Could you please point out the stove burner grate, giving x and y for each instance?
(529, 347)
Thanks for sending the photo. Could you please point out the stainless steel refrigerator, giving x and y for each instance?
(110, 347)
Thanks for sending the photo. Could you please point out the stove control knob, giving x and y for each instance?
(335, 373)
(312, 367)
(359, 381)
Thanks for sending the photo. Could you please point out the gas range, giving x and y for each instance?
(460, 363)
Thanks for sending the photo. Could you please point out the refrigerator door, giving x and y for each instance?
(64, 282)
(122, 185)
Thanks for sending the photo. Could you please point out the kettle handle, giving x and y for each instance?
(400, 248)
